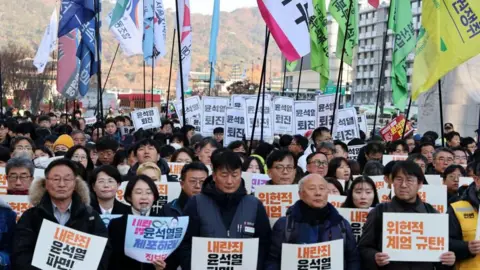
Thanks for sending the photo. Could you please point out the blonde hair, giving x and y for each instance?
(149, 165)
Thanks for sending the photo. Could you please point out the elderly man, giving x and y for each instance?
(442, 158)
(19, 175)
(62, 197)
(22, 147)
(79, 137)
(312, 219)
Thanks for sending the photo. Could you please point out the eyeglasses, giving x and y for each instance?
(443, 160)
(196, 182)
(283, 168)
(21, 148)
(58, 180)
(319, 163)
(409, 180)
(79, 158)
(14, 177)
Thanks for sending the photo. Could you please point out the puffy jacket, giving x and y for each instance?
(83, 218)
(7, 227)
(304, 231)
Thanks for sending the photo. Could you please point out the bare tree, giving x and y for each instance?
(242, 87)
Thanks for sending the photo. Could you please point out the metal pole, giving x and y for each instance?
(441, 111)
(211, 83)
(180, 72)
(98, 56)
(263, 105)
(144, 87)
(108, 74)
(406, 118)
(153, 76)
(1, 90)
(284, 77)
(299, 78)
(171, 66)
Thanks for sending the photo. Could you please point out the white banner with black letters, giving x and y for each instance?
(250, 105)
(305, 116)
(283, 115)
(213, 114)
(346, 127)
(146, 118)
(325, 105)
(234, 125)
(193, 112)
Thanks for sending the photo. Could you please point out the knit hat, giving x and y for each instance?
(65, 140)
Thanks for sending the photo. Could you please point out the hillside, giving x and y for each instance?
(241, 38)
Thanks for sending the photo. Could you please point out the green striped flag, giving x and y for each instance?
(319, 42)
(118, 11)
(339, 10)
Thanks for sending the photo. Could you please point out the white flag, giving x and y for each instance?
(160, 29)
(129, 30)
(186, 42)
(48, 44)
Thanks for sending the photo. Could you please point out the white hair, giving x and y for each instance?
(305, 178)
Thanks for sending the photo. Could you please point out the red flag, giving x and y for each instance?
(374, 3)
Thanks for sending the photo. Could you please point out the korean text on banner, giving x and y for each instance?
(234, 125)
(325, 105)
(387, 158)
(214, 109)
(218, 253)
(176, 169)
(434, 195)
(379, 181)
(277, 199)
(238, 101)
(305, 117)
(150, 238)
(252, 180)
(304, 256)
(415, 237)
(193, 112)
(336, 200)
(393, 131)
(18, 203)
(107, 218)
(356, 218)
(58, 246)
(250, 104)
(146, 118)
(346, 127)
(3, 182)
(283, 115)
(354, 150)
(384, 194)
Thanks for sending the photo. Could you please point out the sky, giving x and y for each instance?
(206, 6)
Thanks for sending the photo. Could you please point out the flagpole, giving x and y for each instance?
(284, 77)
(263, 102)
(299, 78)
(211, 83)
(180, 71)
(108, 74)
(406, 118)
(171, 65)
(1, 89)
(153, 73)
(98, 57)
(441, 111)
(144, 86)
(340, 70)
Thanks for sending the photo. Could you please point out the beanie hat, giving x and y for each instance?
(65, 140)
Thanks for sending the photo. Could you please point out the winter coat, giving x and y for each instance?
(83, 218)
(118, 207)
(7, 227)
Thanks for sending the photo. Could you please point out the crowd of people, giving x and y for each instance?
(85, 165)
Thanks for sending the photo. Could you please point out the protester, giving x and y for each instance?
(106, 148)
(285, 141)
(97, 134)
(120, 161)
(218, 135)
(62, 144)
(237, 147)
(362, 194)
(461, 155)
(63, 198)
(328, 149)
(166, 152)
(22, 147)
(105, 181)
(151, 170)
(334, 186)
(49, 141)
(420, 160)
(298, 145)
(398, 148)
(447, 128)
(374, 151)
(19, 175)
(442, 158)
(427, 150)
(451, 179)
(312, 219)
(407, 181)
(453, 139)
(373, 168)
(253, 165)
(469, 143)
(81, 155)
(411, 143)
(341, 149)
(42, 151)
(177, 140)
(147, 150)
(4, 137)
(281, 168)
(166, 127)
(319, 135)
(7, 226)
(317, 163)
(219, 210)
(206, 148)
(111, 129)
(338, 168)
(79, 137)
(182, 155)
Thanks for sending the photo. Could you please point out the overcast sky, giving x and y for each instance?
(206, 6)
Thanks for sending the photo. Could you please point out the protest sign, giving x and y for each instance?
(393, 130)
(252, 180)
(176, 169)
(193, 112)
(387, 158)
(90, 120)
(434, 195)
(462, 182)
(168, 192)
(379, 181)
(18, 203)
(434, 179)
(305, 117)
(3, 181)
(238, 101)
(336, 200)
(384, 195)
(150, 238)
(354, 150)
(346, 125)
(234, 126)
(283, 108)
(277, 199)
(362, 123)
(146, 118)
(107, 218)
(325, 105)
(38, 174)
(415, 237)
(214, 112)
(126, 130)
(218, 253)
(250, 104)
(313, 256)
(356, 217)
(60, 247)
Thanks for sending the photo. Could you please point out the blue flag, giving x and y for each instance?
(73, 14)
(148, 39)
(213, 41)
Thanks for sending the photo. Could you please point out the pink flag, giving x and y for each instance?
(67, 65)
(374, 3)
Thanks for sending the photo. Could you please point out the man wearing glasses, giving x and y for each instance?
(282, 168)
(317, 163)
(22, 147)
(442, 158)
(106, 149)
(19, 175)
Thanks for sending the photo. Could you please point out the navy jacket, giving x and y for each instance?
(334, 227)
(7, 227)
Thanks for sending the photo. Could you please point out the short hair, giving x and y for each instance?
(264, 150)
(392, 146)
(359, 180)
(194, 166)
(110, 120)
(119, 157)
(44, 118)
(182, 150)
(334, 164)
(408, 168)
(177, 136)
(374, 147)
(279, 155)
(388, 168)
(464, 142)
(418, 156)
(318, 131)
(336, 183)
(146, 142)
(431, 135)
(209, 141)
(51, 138)
(63, 162)
(16, 140)
(372, 168)
(459, 148)
(249, 160)
(285, 140)
(106, 143)
(301, 140)
(160, 138)
(218, 130)
(354, 167)
(326, 145)
(108, 170)
(167, 150)
(442, 149)
(119, 118)
(132, 182)
(236, 144)
(25, 128)
(166, 122)
(20, 162)
(148, 165)
(311, 155)
(449, 136)
(226, 159)
(77, 131)
(450, 169)
(342, 145)
(356, 141)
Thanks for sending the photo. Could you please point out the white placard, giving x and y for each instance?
(283, 108)
(176, 169)
(356, 217)
(379, 181)
(354, 151)
(362, 123)
(434, 195)
(3, 181)
(38, 174)
(146, 118)
(303, 256)
(277, 199)
(250, 105)
(384, 195)
(434, 179)
(214, 112)
(243, 253)
(305, 117)
(252, 180)
(238, 101)
(324, 108)
(53, 236)
(387, 158)
(415, 237)
(18, 203)
(346, 127)
(234, 126)
(465, 181)
(193, 112)
(336, 200)
(90, 120)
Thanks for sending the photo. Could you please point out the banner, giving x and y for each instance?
(362, 123)
(434, 179)
(384, 194)
(146, 118)
(319, 42)
(356, 217)
(60, 247)
(434, 195)
(87, 53)
(193, 112)
(283, 111)
(387, 158)
(234, 125)
(415, 237)
(159, 29)
(48, 44)
(346, 127)
(313, 256)
(393, 130)
(277, 199)
(354, 150)
(218, 253)
(185, 32)
(253, 180)
(176, 169)
(305, 116)
(325, 105)
(68, 65)
(212, 55)
(339, 10)
(379, 181)
(18, 203)
(250, 105)
(462, 182)
(150, 238)
(128, 29)
(336, 200)
(214, 113)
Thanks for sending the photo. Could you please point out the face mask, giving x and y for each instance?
(23, 154)
(176, 146)
(123, 169)
(60, 153)
(40, 161)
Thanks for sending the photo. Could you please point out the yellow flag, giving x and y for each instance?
(450, 35)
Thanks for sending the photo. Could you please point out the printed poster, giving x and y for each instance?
(305, 117)
(214, 113)
(176, 169)
(325, 255)
(283, 108)
(336, 200)
(252, 180)
(354, 151)
(18, 203)
(277, 199)
(146, 118)
(193, 112)
(234, 126)
(356, 217)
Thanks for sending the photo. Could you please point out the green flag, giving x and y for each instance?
(291, 65)
(339, 9)
(400, 22)
(319, 42)
(118, 11)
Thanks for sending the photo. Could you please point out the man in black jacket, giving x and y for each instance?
(62, 197)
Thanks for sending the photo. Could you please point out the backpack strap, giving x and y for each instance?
(289, 227)
(343, 230)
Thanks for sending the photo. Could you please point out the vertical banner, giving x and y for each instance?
(313, 256)
(214, 112)
(185, 33)
(283, 114)
(325, 105)
(59, 247)
(305, 116)
(234, 125)
(277, 199)
(128, 31)
(346, 127)
(193, 112)
(150, 238)
(68, 65)
(253, 180)
(250, 104)
(18, 203)
(356, 217)
(415, 237)
(218, 253)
